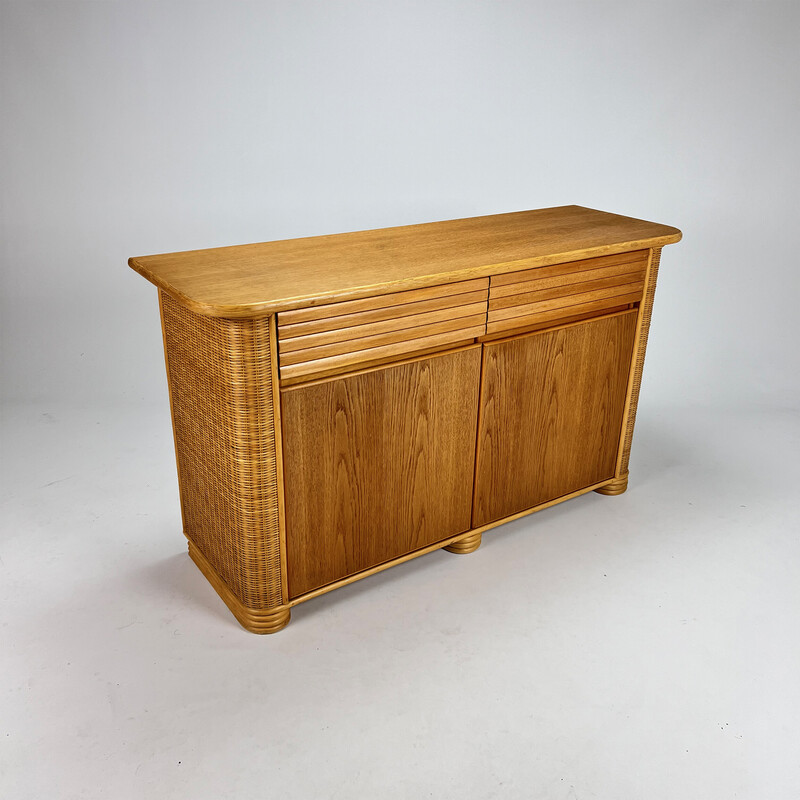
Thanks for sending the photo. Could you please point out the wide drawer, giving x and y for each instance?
(562, 292)
(326, 338)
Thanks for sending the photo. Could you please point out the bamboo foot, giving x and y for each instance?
(616, 487)
(266, 621)
(469, 544)
(255, 620)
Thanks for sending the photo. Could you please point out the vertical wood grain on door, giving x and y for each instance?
(377, 464)
(550, 414)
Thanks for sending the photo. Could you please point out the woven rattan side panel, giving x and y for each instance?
(220, 374)
(638, 364)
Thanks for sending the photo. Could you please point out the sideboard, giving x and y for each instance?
(341, 404)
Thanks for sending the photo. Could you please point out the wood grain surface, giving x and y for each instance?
(256, 279)
(377, 465)
(637, 258)
(385, 353)
(398, 303)
(550, 413)
(563, 291)
(363, 329)
(374, 316)
(359, 331)
(569, 301)
(557, 316)
(364, 344)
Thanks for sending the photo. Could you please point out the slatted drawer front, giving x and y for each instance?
(549, 295)
(337, 336)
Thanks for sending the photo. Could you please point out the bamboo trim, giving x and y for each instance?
(467, 544)
(635, 380)
(617, 486)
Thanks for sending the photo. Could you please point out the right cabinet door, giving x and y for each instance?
(551, 411)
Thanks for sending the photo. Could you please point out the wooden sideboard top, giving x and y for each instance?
(255, 279)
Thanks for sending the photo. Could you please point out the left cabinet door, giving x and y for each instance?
(377, 464)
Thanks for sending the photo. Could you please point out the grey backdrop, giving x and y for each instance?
(133, 128)
(644, 646)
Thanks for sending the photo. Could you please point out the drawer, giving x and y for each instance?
(337, 336)
(561, 292)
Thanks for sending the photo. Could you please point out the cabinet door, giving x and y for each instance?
(377, 464)
(550, 414)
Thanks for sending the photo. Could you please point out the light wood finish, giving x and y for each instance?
(602, 298)
(442, 545)
(635, 379)
(615, 487)
(255, 620)
(557, 273)
(361, 369)
(537, 295)
(524, 326)
(341, 363)
(556, 316)
(564, 291)
(223, 397)
(550, 413)
(360, 331)
(378, 465)
(362, 346)
(257, 279)
(386, 306)
(468, 544)
(334, 417)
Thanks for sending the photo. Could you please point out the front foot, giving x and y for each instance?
(617, 486)
(265, 621)
(255, 620)
(469, 544)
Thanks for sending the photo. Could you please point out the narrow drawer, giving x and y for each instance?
(549, 295)
(335, 336)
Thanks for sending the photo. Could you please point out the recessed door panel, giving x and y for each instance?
(551, 413)
(377, 464)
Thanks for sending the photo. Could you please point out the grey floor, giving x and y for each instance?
(644, 646)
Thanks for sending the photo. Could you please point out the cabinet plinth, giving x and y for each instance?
(346, 403)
